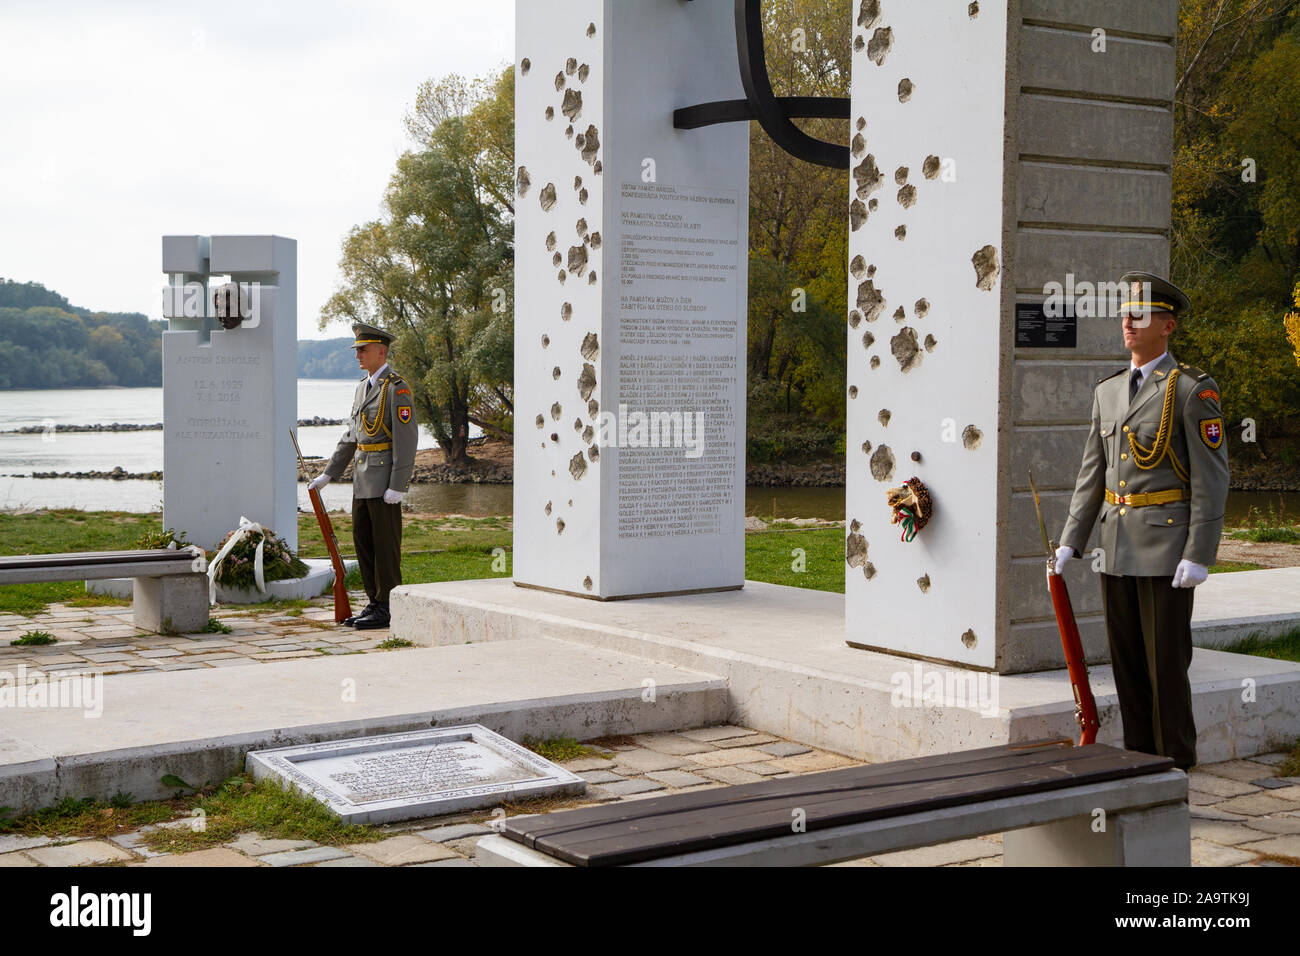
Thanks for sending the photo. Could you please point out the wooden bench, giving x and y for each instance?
(171, 589)
(1056, 804)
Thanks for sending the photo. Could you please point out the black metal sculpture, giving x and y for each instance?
(760, 103)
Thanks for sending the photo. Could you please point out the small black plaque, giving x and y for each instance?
(1037, 330)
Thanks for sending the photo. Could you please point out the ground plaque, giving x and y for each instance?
(418, 774)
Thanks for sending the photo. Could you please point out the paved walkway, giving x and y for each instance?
(1242, 813)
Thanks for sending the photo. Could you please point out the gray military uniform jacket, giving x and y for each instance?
(1123, 457)
(382, 434)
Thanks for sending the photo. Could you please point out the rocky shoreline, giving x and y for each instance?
(133, 427)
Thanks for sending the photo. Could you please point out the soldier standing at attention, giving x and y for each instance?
(382, 435)
(1156, 468)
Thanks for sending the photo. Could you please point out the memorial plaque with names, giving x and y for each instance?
(418, 774)
(1035, 329)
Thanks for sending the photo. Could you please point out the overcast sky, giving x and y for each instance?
(121, 122)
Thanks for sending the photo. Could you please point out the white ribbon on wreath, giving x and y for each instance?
(246, 528)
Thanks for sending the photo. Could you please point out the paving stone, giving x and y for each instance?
(466, 847)
(217, 856)
(1280, 845)
(727, 758)
(643, 761)
(623, 788)
(255, 845)
(231, 662)
(730, 775)
(350, 861)
(401, 850)
(600, 776)
(456, 831)
(1227, 834)
(11, 842)
(160, 652)
(809, 762)
(1197, 799)
(674, 744)
(944, 854)
(15, 859)
(1291, 794)
(1216, 813)
(452, 861)
(134, 841)
(1278, 823)
(316, 854)
(81, 853)
(1271, 760)
(676, 778)
(710, 734)
(784, 748)
(1254, 804)
(751, 741)
(1242, 770)
(762, 769)
(586, 763)
(1219, 786)
(1205, 853)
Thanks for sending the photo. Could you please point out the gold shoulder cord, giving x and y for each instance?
(1148, 458)
(377, 424)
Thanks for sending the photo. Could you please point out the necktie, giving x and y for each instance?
(1134, 384)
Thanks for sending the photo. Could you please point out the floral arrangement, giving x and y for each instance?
(238, 567)
(169, 538)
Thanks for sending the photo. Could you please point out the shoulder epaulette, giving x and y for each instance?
(1191, 371)
(1110, 376)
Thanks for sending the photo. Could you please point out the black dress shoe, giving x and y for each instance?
(369, 622)
(352, 621)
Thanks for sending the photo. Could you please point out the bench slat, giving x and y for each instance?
(681, 823)
(26, 561)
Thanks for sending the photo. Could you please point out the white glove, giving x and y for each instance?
(392, 497)
(1189, 574)
(320, 481)
(1063, 554)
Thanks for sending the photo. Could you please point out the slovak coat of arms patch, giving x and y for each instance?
(404, 414)
(1212, 431)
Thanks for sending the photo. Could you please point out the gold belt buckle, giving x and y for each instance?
(1121, 499)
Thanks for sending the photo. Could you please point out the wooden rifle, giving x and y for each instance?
(342, 606)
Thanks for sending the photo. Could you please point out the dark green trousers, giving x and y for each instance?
(377, 535)
(1149, 628)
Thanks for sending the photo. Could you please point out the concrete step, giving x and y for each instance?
(781, 651)
(198, 724)
(1231, 606)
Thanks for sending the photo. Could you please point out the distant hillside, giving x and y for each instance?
(47, 342)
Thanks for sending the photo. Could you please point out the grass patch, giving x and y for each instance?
(1290, 767)
(92, 818)
(393, 643)
(559, 749)
(1226, 567)
(1284, 647)
(1270, 527)
(34, 639)
(807, 558)
(214, 627)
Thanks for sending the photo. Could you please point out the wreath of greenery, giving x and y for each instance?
(278, 561)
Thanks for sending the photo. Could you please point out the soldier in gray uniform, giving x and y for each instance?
(1156, 469)
(382, 435)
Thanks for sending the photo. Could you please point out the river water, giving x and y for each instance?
(22, 454)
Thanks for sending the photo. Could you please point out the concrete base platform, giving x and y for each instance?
(1229, 607)
(788, 671)
(318, 580)
(199, 724)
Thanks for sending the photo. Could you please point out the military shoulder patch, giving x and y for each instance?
(1208, 395)
(1212, 432)
(407, 391)
(404, 415)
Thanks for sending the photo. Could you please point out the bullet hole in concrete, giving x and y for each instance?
(559, 81)
(872, 204)
(590, 145)
(899, 315)
(555, 374)
(550, 241)
(868, 570)
(853, 391)
(583, 72)
(580, 141)
(866, 448)
(871, 270)
(556, 411)
(922, 308)
(969, 640)
(522, 181)
(916, 457)
(577, 466)
(855, 318)
(882, 464)
(594, 452)
(858, 43)
(923, 582)
(555, 438)
(541, 421)
(561, 276)
(586, 582)
(971, 437)
(883, 417)
(546, 341)
(857, 214)
(525, 65)
(548, 509)
(594, 240)
(591, 277)
(906, 349)
(544, 449)
(587, 381)
(930, 168)
(855, 548)
(547, 197)
(858, 267)
(868, 340)
(578, 260)
(570, 502)
(973, 10)
(868, 14)
(593, 408)
(900, 233)
(882, 41)
(855, 526)
(859, 145)
(582, 196)
(868, 177)
(862, 123)
(591, 29)
(570, 66)
(900, 175)
(577, 182)
(904, 90)
(930, 343)
(870, 301)
(875, 361)
(907, 197)
(550, 113)
(571, 105)
(588, 434)
(556, 259)
(568, 131)
(559, 526)
(598, 167)
(566, 311)
(552, 470)
(577, 424)
(986, 267)
(590, 347)
(580, 227)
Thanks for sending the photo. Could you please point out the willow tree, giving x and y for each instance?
(436, 269)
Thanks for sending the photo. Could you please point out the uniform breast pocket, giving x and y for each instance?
(1108, 439)
(1169, 516)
